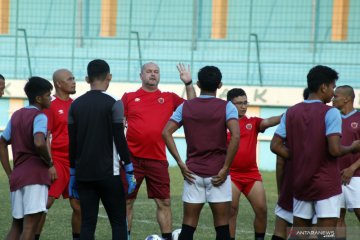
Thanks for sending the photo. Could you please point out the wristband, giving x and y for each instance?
(188, 83)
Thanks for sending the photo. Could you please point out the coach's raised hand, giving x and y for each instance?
(73, 191)
(185, 73)
(130, 177)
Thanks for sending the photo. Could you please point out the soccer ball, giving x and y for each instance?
(176, 234)
(153, 237)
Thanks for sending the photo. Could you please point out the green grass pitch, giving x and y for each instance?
(58, 220)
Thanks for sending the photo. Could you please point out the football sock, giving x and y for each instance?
(166, 236)
(222, 232)
(76, 236)
(37, 236)
(187, 232)
(276, 238)
(259, 236)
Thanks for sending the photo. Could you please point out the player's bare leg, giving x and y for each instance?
(191, 213)
(341, 225)
(15, 230)
(234, 209)
(341, 220)
(129, 212)
(281, 228)
(30, 223)
(257, 200)
(76, 216)
(221, 215)
(301, 222)
(41, 223)
(326, 222)
(163, 214)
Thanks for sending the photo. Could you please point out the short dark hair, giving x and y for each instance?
(209, 78)
(306, 93)
(2, 77)
(235, 92)
(320, 75)
(36, 86)
(97, 70)
(349, 91)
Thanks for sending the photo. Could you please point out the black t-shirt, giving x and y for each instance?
(96, 136)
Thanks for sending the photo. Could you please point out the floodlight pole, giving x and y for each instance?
(16, 37)
(315, 28)
(194, 32)
(249, 43)
(129, 41)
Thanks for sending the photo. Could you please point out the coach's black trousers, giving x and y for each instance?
(111, 193)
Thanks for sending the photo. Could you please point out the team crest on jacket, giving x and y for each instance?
(248, 126)
(161, 100)
(137, 99)
(354, 125)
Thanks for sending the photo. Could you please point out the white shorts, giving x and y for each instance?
(202, 190)
(29, 200)
(284, 214)
(327, 208)
(350, 197)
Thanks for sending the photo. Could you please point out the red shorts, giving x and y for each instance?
(60, 185)
(156, 175)
(244, 184)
